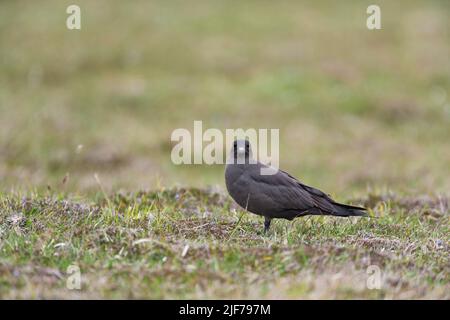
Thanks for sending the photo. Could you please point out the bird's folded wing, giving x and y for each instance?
(291, 194)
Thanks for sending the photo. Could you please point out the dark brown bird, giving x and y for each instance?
(276, 196)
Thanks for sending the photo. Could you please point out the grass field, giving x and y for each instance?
(363, 115)
(193, 243)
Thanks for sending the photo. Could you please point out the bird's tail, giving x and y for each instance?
(346, 210)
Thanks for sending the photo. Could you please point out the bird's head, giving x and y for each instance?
(242, 152)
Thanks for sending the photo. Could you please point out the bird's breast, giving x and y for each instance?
(237, 186)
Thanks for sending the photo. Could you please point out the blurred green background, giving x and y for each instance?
(357, 109)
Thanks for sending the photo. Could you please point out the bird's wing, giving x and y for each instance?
(291, 194)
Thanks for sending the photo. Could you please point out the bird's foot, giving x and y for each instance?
(266, 225)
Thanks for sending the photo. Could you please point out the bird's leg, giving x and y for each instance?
(267, 221)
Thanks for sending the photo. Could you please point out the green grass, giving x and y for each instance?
(356, 109)
(363, 115)
(179, 243)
